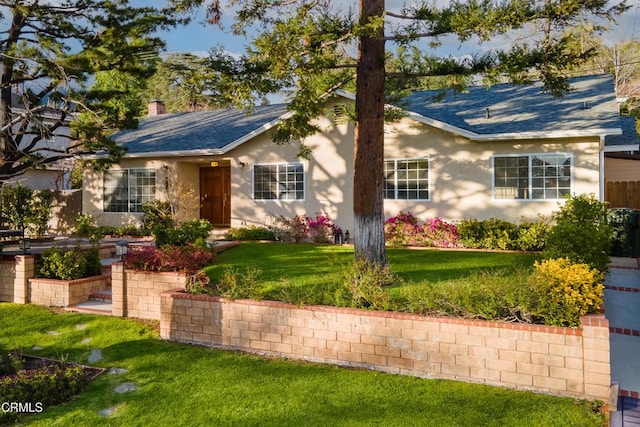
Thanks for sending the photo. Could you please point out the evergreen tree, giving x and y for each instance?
(48, 51)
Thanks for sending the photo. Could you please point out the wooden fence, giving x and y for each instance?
(623, 194)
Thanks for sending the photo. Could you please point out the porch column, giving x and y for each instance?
(25, 270)
(118, 293)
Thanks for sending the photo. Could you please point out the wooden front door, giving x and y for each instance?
(215, 195)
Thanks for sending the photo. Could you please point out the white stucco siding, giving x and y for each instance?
(460, 175)
(93, 191)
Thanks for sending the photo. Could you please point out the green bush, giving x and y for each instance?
(25, 208)
(624, 225)
(157, 214)
(193, 232)
(86, 227)
(47, 386)
(363, 286)
(236, 284)
(532, 235)
(70, 264)
(565, 291)
(581, 233)
(250, 233)
(487, 234)
(486, 295)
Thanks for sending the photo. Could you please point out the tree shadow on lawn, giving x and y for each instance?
(193, 385)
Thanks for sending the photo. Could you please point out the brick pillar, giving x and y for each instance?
(597, 356)
(118, 290)
(25, 270)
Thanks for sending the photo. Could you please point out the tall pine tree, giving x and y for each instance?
(48, 51)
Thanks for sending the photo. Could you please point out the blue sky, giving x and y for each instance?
(199, 37)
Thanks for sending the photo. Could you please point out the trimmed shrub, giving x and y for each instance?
(581, 233)
(250, 233)
(488, 234)
(145, 258)
(565, 291)
(189, 258)
(70, 264)
(193, 232)
(532, 236)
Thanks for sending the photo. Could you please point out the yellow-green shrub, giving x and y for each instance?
(565, 291)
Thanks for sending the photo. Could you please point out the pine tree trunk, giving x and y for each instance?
(368, 177)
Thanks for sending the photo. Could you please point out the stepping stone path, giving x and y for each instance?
(117, 371)
(36, 348)
(96, 356)
(108, 411)
(54, 333)
(81, 327)
(125, 388)
(86, 341)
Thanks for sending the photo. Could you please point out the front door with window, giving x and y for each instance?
(215, 195)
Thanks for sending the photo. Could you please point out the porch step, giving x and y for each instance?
(98, 303)
(103, 296)
(218, 233)
(91, 307)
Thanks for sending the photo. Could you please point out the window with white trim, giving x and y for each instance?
(532, 177)
(127, 190)
(406, 179)
(282, 181)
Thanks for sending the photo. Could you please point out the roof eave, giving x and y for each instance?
(262, 129)
(569, 133)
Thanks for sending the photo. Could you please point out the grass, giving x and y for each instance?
(309, 265)
(183, 385)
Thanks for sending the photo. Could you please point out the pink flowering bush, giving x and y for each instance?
(404, 230)
(321, 229)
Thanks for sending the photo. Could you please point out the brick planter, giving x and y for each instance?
(137, 293)
(63, 293)
(564, 361)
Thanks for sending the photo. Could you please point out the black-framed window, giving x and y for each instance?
(532, 176)
(282, 181)
(127, 190)
(406, 179)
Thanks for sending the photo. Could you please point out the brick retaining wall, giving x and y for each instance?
(137, 293)
(564, 361)
(7, 277)
(63, 293)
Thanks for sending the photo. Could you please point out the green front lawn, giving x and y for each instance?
(308, 266)
(185, 385)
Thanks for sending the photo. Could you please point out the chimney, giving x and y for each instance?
(155, 108)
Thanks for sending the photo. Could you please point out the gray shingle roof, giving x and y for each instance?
(513, 109)
(202, 130)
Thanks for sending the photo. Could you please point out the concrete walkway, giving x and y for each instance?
(622, 309)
